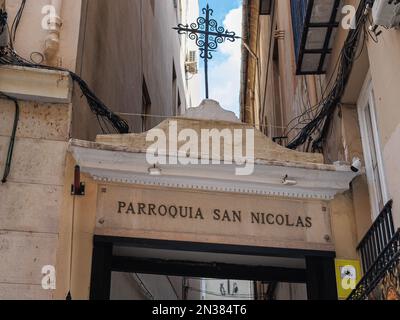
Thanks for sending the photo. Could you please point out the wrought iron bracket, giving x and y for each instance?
(78, 188)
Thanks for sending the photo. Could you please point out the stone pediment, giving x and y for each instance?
(211, 109)
(211, 116)
(278, 172)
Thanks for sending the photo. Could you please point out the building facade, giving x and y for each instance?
(112, 188)
(320, 76)
(104, 60)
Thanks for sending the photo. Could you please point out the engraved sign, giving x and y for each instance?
(213, 218)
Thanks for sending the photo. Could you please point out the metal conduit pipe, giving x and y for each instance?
(52, 41)
(245, 56)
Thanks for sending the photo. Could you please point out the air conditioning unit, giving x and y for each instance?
(191, 62)
(386, 13)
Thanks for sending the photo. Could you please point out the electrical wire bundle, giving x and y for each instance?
(104, 115)
(320, 124)
(10, 151)
(16, 22)
(8, 56)
(102, 112)
(3, 21)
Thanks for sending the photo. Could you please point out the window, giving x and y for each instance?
(265, 7)
(146, 108)
(372, 151)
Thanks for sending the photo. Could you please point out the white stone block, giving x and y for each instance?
(30, 207)
(35, 161)
(23, 255)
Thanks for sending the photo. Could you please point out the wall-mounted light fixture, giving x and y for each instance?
(155, 171)
(78, 188)
(288, 182)
(265, 7)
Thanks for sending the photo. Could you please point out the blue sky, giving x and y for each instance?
(224, 68)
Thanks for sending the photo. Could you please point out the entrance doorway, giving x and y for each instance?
(117, 260)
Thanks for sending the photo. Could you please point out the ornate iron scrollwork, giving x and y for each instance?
(207, 34)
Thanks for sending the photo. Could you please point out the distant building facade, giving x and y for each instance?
(227, 290)
(132, 60)
(321, 77)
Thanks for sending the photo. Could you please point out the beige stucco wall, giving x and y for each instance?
(75, 248)
(344, 226)
(385, 71)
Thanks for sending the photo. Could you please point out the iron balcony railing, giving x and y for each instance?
(387, 262)
(377, 238)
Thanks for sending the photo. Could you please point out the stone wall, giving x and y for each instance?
(30, 200)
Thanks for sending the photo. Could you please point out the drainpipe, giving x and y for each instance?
(245, 57)
(52, 41)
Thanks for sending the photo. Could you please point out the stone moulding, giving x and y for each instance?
(34, 84)
(122, 159)
(110, 164)
(210, 116)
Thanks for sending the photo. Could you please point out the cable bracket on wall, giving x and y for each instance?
(78, 188)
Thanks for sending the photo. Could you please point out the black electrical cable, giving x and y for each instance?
(323, 131)
(346, 60)
(3, 21)
(10, 152)
(10, 57)
(17, 20)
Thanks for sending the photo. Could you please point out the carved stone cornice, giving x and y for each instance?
(110, 164)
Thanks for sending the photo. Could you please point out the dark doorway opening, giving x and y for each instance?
(111, 255)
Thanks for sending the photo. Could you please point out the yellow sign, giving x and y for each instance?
(348, 275)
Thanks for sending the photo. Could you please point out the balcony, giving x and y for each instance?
(380, 254)
(377, 238)
(315, 24)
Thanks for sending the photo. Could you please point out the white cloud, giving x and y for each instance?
(233, 22)
(225, 76)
